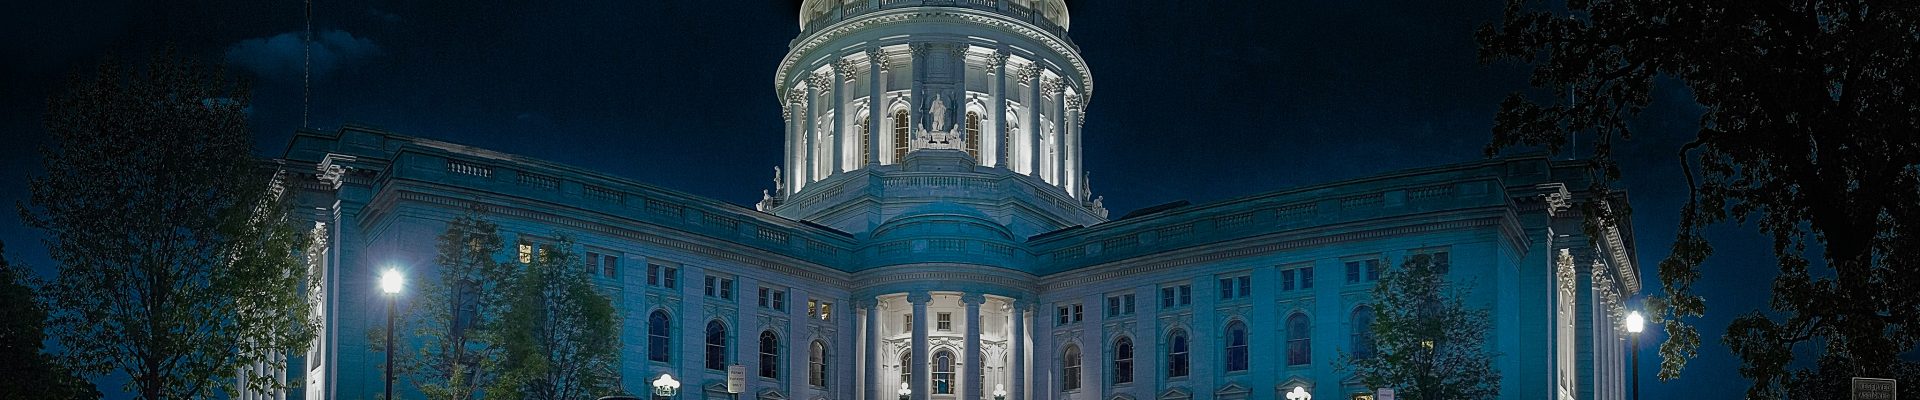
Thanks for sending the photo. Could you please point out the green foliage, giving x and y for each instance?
(1428, 343)
(176, 263)
(29, 372)
(459, 353)
(1809, 128)
(559, 333)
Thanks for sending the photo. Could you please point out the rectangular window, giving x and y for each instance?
(1286, 280)
(1367, 270)
(1236, 287)
(1298, 277)
(662, 276)
(1126, 304)
(726, 288)
(906, 323)
(1076, 312)
(1061, 316)
(610, 266)
(943, 322)
(1176, 296)
(593, 262)
(774, 299)
(720, 287)
(813, 308)
(525, 253)
(1306, 277)
(766, 298)
(713, 286)
(1120, 305)
(1373, 270)
(1113, 306)
(1186, 295)
(1166, 297)
(826, 311)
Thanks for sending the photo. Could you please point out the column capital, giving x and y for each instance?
(876, 55)
(919, 49)
(847, 68)
(820, 82)
(959, 50)
(998, 59)
(973, 299)
(919, 297)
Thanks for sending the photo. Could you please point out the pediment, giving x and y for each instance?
(1233, 390)
(771, 394)
(1176, 394)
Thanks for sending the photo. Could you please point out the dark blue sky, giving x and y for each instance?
(1200, 101)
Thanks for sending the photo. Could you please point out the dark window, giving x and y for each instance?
(610, 266)
(943, 322)
(1236, 346)
(1077, 312)
(1286, 280)
(661, 275)
(817, 364)
(943, 372)
(1123, 361)
(1299, 341)
(1186, 295)
(1166, 297)
(1070, 368)
(906, 366)
(769, 355)
(726, 288)
(1373, 270)
(1062, 316)
(1363, 332)
(1236, 287)
(1177, 352)
(1306, 277)
(716, 346)
(659, 337)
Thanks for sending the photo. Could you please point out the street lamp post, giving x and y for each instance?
(665, 386)
(999, 392)
(390, 283)
(904, 391)
(1636, 324)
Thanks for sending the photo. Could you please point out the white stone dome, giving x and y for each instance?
(1054, 10)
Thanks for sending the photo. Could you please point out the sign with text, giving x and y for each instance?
(1875, 389)
(1383, 394)
(736, 378)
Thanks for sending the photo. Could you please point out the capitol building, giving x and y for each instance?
(930, 225)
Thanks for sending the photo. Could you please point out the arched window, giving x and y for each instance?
(1070, 368)
(973, 135)
(1236, 346)
(769, 355)
(716, 346)
(866, 141)
(817, 364)
(1123, 360)
(1299, 342)
(659, 337)
(1177, 352)
(901, 127)
(1363, 332)
(1010, 123)
(906, 367)
(943, 372)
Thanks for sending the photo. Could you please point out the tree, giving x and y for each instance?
(558, 331)
(459, 353)
(1808, 131)
(176, 263)
(30, 372)
(1428, 344)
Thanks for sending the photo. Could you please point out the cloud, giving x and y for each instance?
(282, 56)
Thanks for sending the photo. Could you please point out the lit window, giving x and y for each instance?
(1123, 361)
(817, 364)
(866, 141)
(973, 135)
(901, 127)
(525, 253)
(943, 372)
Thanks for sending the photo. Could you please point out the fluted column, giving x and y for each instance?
(786, 115)
(836, 80)
(810, 168)
(1072, 142)
(876, 104)
(922, 377)
(1059, 158)
(871, 387)
(974, 367)
(1033, 118)
(1017, 390)
(998, 71)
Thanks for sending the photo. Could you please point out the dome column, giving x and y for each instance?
(974, 368)
(809, 169)
(997, 71)
(876, 104)
(1056, 88)
(1019, 362)
(1032, 79)
(922, 376)
(870, 309)
(836, 82)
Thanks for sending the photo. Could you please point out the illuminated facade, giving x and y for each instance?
(931, 225)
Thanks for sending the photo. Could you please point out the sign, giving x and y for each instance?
(1383, 394)
(736, 378)
(1875, 389)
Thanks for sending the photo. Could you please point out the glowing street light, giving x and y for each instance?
(1299, 393)
(1636, 324)
(391, 282)
(904, 391)
(999, 392)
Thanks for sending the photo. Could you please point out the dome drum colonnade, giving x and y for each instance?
(869, 81)
(943, 344)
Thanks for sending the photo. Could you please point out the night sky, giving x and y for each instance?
(1201, 101)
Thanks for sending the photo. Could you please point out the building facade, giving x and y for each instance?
(930, 227)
